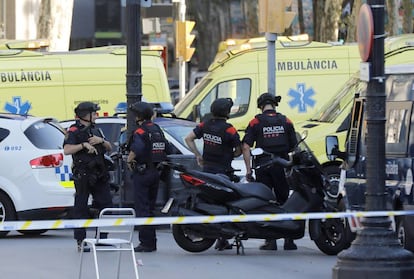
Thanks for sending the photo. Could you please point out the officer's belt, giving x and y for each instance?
(147, 165)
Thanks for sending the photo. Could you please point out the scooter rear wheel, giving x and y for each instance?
(190, 242)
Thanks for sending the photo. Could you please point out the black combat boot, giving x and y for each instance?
(270, 244)
(289, 244)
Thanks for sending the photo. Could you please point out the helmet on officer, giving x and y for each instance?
(221, 107)
(267, 98)
(142, 110)
(86, 107)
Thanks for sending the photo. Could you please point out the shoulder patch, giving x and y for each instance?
(254, 122)
(231, 130)
(72, 129)
(140, 131)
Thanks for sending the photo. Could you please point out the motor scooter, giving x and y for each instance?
(206, 194)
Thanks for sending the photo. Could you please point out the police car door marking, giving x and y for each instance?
(64, 174)
(302, 97)
(17, 107)
(13, 148)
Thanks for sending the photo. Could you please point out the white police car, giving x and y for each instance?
(34, 173)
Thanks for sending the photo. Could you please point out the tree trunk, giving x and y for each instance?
(408, 18)
(55, 23)
(329, 21)
(352, 24)
(211, 28)
(392, 25)
(300, 17)
(252, 22)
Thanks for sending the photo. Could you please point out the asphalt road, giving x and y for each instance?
(54, 256)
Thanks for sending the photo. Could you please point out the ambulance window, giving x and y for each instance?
(401, 87)
(397, 127)
(238, 90)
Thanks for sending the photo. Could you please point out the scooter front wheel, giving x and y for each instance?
(332, 237)
(190, 241)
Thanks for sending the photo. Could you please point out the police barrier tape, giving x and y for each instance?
(91, 223)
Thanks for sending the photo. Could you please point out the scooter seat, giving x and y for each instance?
(251, 189)
(254, 189)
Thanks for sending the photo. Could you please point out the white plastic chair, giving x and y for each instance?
(122, 241)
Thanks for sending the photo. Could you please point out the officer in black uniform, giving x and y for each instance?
(87, 145)
(147, 148)
(221, 145)
(274, 133)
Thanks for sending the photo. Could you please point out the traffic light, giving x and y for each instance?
(273, 17)
(184, 39)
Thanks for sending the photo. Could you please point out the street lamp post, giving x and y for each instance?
(376, 252)
(133, 75)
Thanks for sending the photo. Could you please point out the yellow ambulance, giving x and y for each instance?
(53, 83)
(38, 44)
(307, 75)
(334, 117)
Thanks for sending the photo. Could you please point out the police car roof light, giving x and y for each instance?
(160, 108)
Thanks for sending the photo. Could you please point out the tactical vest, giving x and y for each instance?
(83, 159)
(216, 150)
(157, 142)
(273, 133)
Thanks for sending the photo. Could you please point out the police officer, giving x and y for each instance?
(87, 145)
(221, 145)
(148, 147)
(274, 133)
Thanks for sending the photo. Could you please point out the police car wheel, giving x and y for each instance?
(7, 212)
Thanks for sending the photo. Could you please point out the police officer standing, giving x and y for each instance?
(221, 145)
(274, 133)
(87, 145)
(147, 148)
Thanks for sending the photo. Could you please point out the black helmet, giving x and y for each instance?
(86, 107)
(142, 110)
(267, 98)
(221, 107)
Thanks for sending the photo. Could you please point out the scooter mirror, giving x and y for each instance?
(257, 151)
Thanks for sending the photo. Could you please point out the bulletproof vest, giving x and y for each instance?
(216, 149)
(273, 133)
(81, 158)
(157, 142)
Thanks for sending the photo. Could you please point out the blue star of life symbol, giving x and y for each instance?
(302, 97)
(17, 107)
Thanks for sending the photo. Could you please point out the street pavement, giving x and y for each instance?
(54, 256)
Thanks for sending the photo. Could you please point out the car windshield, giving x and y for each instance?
(45, 135)
(333, 108)
(180, 132)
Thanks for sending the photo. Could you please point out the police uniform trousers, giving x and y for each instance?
(274, 178)
(102, 198)
(145, 195)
